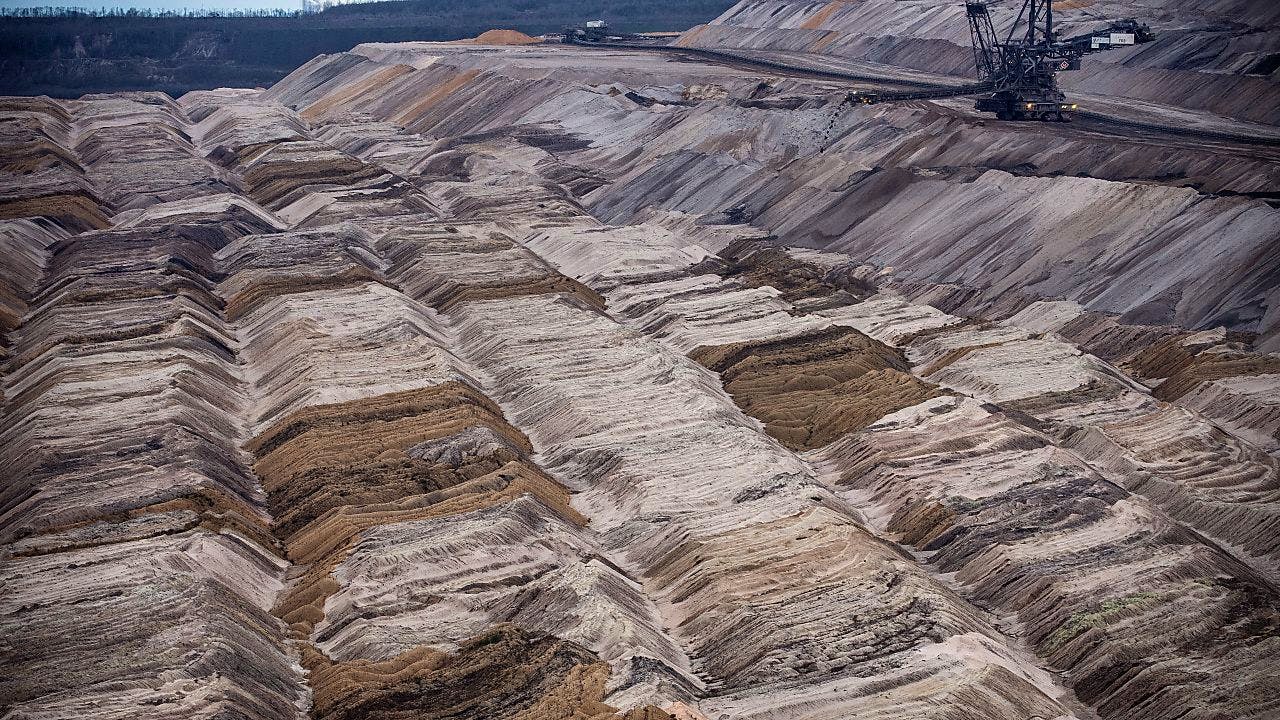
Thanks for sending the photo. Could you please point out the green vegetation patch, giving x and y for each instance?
(68, 52)
(1100, 617)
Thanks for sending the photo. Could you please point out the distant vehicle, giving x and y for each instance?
(592, 31)
(598, 31)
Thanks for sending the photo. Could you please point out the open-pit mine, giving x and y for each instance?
(543, 380)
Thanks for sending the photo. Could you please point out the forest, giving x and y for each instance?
(64, 52)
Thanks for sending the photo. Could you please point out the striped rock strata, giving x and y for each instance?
(446, 381)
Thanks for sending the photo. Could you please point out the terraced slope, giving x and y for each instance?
(445, 381)
(1217, 57)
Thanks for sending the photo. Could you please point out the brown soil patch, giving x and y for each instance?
(503, 37)
(505, 672)
(551, 284)
(333, 471)
(39, 104)
(28, 157)
(1163, 359)
(1046, 403)
(227, 157)
(812, 389)
(355, 453)
(417, 110)
(326, 533)
(75, 212)
(375, 83)
(416, 262)
(955, 355)
(1099, 334)
(271, 181)
(690, 37)
(921, 523)
(250, 299)
(215, 511)
(824, 42)
(815, 22)
(911, 338)
(755, 266)
(1215, 366)
(326, 542)
(11, 311)
(1185, 368)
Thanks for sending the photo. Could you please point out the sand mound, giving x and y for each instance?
(810, 389)
(504, 37)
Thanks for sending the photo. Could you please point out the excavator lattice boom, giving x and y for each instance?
(1022, 69)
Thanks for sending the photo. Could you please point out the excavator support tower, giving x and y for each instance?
(1023, 67)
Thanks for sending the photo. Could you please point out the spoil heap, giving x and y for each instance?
(447, 381)
(503, 37)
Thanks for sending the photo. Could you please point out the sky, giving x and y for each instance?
(160, 4)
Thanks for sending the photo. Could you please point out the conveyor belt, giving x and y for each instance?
(1178, 130)
(774, 65)
(929, 90)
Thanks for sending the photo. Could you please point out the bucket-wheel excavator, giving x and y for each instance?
(1017, 76)
(1022, 70)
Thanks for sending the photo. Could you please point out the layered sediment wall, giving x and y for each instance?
(1214, 57)
(449, 381)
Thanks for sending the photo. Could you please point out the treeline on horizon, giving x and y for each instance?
(120, 12)
(68, 52)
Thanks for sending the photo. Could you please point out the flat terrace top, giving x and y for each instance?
(650, 66)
